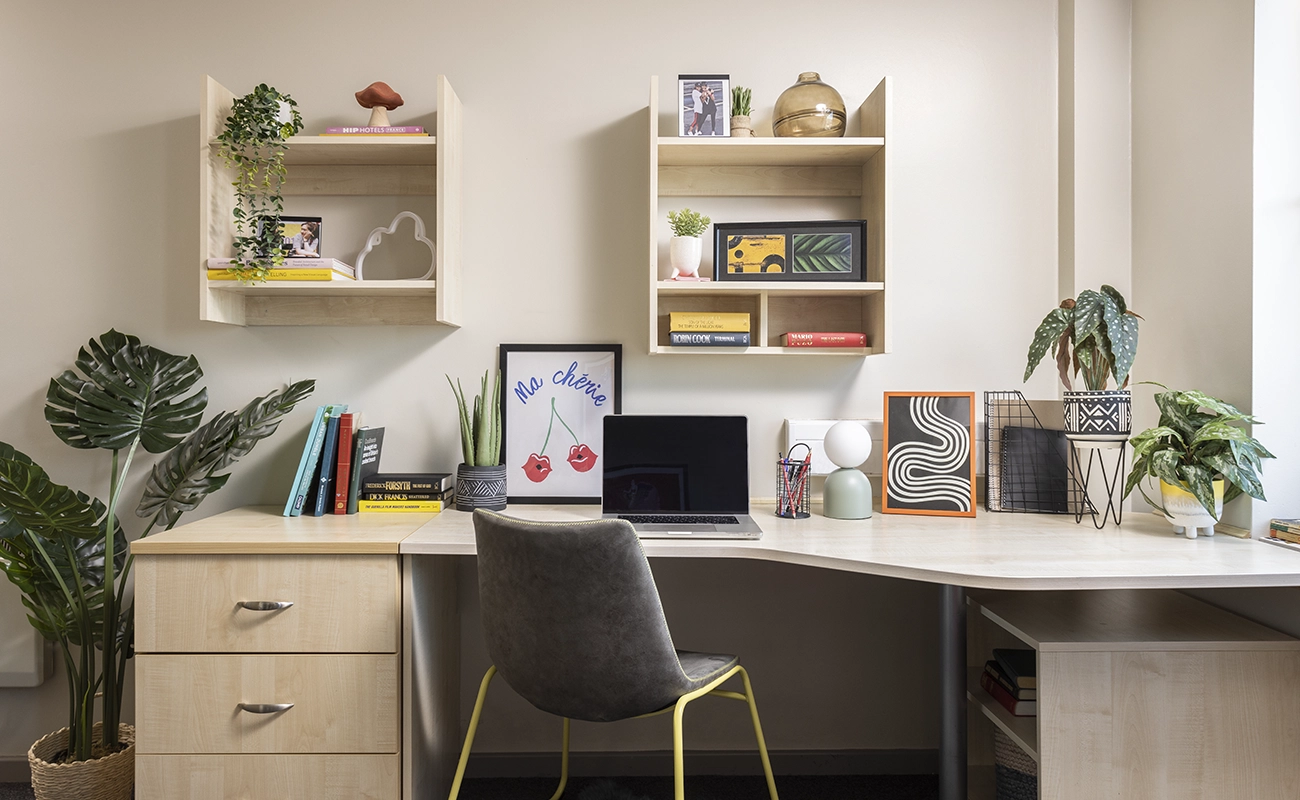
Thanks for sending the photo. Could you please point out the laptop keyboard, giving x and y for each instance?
(680, 519)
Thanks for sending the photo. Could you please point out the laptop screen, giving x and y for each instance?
(675, 464)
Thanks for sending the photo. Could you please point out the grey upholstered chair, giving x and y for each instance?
(574, 624)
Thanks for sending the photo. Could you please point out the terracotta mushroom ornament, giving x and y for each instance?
(380, 98)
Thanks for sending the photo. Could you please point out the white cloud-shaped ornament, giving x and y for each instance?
(377, 235)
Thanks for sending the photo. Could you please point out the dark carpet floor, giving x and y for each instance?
(702, 787)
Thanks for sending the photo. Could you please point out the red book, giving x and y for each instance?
(1019, 708)
(823, 339)
(347, 423)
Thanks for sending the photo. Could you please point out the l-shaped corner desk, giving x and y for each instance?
(319, 657)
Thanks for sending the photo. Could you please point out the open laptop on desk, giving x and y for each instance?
(677, 476)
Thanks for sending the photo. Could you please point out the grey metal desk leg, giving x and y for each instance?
(952, 694)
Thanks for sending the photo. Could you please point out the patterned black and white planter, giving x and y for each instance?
(480, 487)
(1098, 419)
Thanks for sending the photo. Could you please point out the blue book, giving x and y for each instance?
(302, 462)
(324, 498)
(313, 459)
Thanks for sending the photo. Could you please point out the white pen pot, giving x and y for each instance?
(684, 252)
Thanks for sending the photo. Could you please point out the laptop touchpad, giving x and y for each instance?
(676, 528)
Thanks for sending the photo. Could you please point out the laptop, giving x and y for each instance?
(678, 476)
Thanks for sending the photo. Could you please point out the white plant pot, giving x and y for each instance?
(684, 252)
(1186, 513)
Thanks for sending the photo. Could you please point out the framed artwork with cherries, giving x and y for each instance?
(553, 400)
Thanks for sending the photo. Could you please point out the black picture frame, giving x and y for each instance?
(691, 125)
(572, 377)
(291, 226)
(928, 459)
(836, 251)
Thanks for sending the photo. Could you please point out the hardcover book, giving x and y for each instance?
(399, 506)
(446, 497)
(324, 497)
(992, 668)
(1020, 665)
(312, 466)
(302, 461)
(710, 339)
(823, 339)
(366, 448)
(1019, 708)
(726, 321)
(375, 130)
(286, 275)
(428, 482)
(343, 471)
(294, 266)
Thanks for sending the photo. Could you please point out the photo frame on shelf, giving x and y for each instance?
(301, 237)
(928, 459)
(790, 251)
(554, 398)
(703, 105)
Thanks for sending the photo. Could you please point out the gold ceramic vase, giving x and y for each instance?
(809, 108)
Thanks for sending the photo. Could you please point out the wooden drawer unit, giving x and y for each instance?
(227, 704)
(228, 604)
(254, 777)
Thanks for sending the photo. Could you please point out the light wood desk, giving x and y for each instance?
(992, 551)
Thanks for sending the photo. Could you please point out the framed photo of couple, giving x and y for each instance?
(703, 103)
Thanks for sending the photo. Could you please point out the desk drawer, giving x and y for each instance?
(341, 704)
(341, 604)
(331, 777)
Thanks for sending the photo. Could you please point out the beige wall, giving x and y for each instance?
(99, 214)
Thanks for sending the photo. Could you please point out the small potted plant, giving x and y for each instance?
(253, 143)
(684, 250)
(67, 552)
(1095, 336)
(481, 478)
(740, 125)
(1201, 456)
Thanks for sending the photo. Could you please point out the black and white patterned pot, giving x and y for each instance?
(480, 487)
(1100, 417)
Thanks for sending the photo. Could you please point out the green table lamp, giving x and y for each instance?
(847, 493)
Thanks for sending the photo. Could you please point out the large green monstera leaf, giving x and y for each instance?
(129, 391)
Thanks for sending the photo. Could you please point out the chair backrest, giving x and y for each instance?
(572, 617)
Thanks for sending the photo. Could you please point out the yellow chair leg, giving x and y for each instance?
(758, 733)
(564, 762)
(473, 727)
(679, 763)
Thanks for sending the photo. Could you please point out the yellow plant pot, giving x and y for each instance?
(1186, 513)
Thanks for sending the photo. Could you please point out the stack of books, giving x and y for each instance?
(339, 456)
(420, 492)
(1287, 530)
(823, 339)
(377, 130)
(1011, 678)
(293, 269)
(708, 328)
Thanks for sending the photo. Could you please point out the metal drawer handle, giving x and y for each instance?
(265, 605)
(265, 708)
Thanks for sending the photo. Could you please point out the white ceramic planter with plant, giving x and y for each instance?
(1202, 457)
(685, 248)
(1093, 337)
(740, 111)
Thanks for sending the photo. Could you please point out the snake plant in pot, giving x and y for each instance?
(481, 478)
(1094, 337)
(67, 551)
(1202, 457)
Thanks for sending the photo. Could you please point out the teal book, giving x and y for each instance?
(302, 462)
(313, 460)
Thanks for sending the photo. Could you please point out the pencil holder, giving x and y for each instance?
(792, 495)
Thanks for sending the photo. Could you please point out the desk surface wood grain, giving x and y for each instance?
(264, 530)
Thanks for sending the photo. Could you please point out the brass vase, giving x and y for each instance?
(809, 108)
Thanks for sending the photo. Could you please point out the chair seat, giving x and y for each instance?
(701, 668)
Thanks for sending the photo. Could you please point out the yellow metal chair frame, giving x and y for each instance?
(678, 709)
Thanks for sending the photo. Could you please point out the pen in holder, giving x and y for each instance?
(792, 495)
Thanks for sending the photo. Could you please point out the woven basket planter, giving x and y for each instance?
(1017, 773)
(109, 778)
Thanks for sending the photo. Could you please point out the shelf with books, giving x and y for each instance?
(851, 170)
(1022, 730)
(347, 166)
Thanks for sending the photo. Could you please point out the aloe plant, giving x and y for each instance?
(480, 433)
(740, 97)
(1197, 441)
(67, 551)
(1095, 336)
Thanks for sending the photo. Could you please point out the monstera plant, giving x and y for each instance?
(67, 551)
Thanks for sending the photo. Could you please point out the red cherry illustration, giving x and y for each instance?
(537, 468)
(581, 458)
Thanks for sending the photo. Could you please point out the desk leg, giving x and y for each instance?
(430, 675)
(952, 694)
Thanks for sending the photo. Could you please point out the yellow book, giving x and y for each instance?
(285, 275)
(400, 506)
(731, 321)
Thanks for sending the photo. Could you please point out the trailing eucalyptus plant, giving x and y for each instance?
(1195, 443)
(253, 143)
(480, 434)
(67, 551)
(740, 97)
(688, 223)
(1095, 335)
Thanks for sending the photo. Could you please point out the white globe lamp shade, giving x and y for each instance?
(847, 444)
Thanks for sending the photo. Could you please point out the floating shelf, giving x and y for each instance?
(1022, 730)
(762, 351)
(727, 152)
(325, 288)
(772, 289)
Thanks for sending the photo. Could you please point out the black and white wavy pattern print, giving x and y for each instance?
(931, 472)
